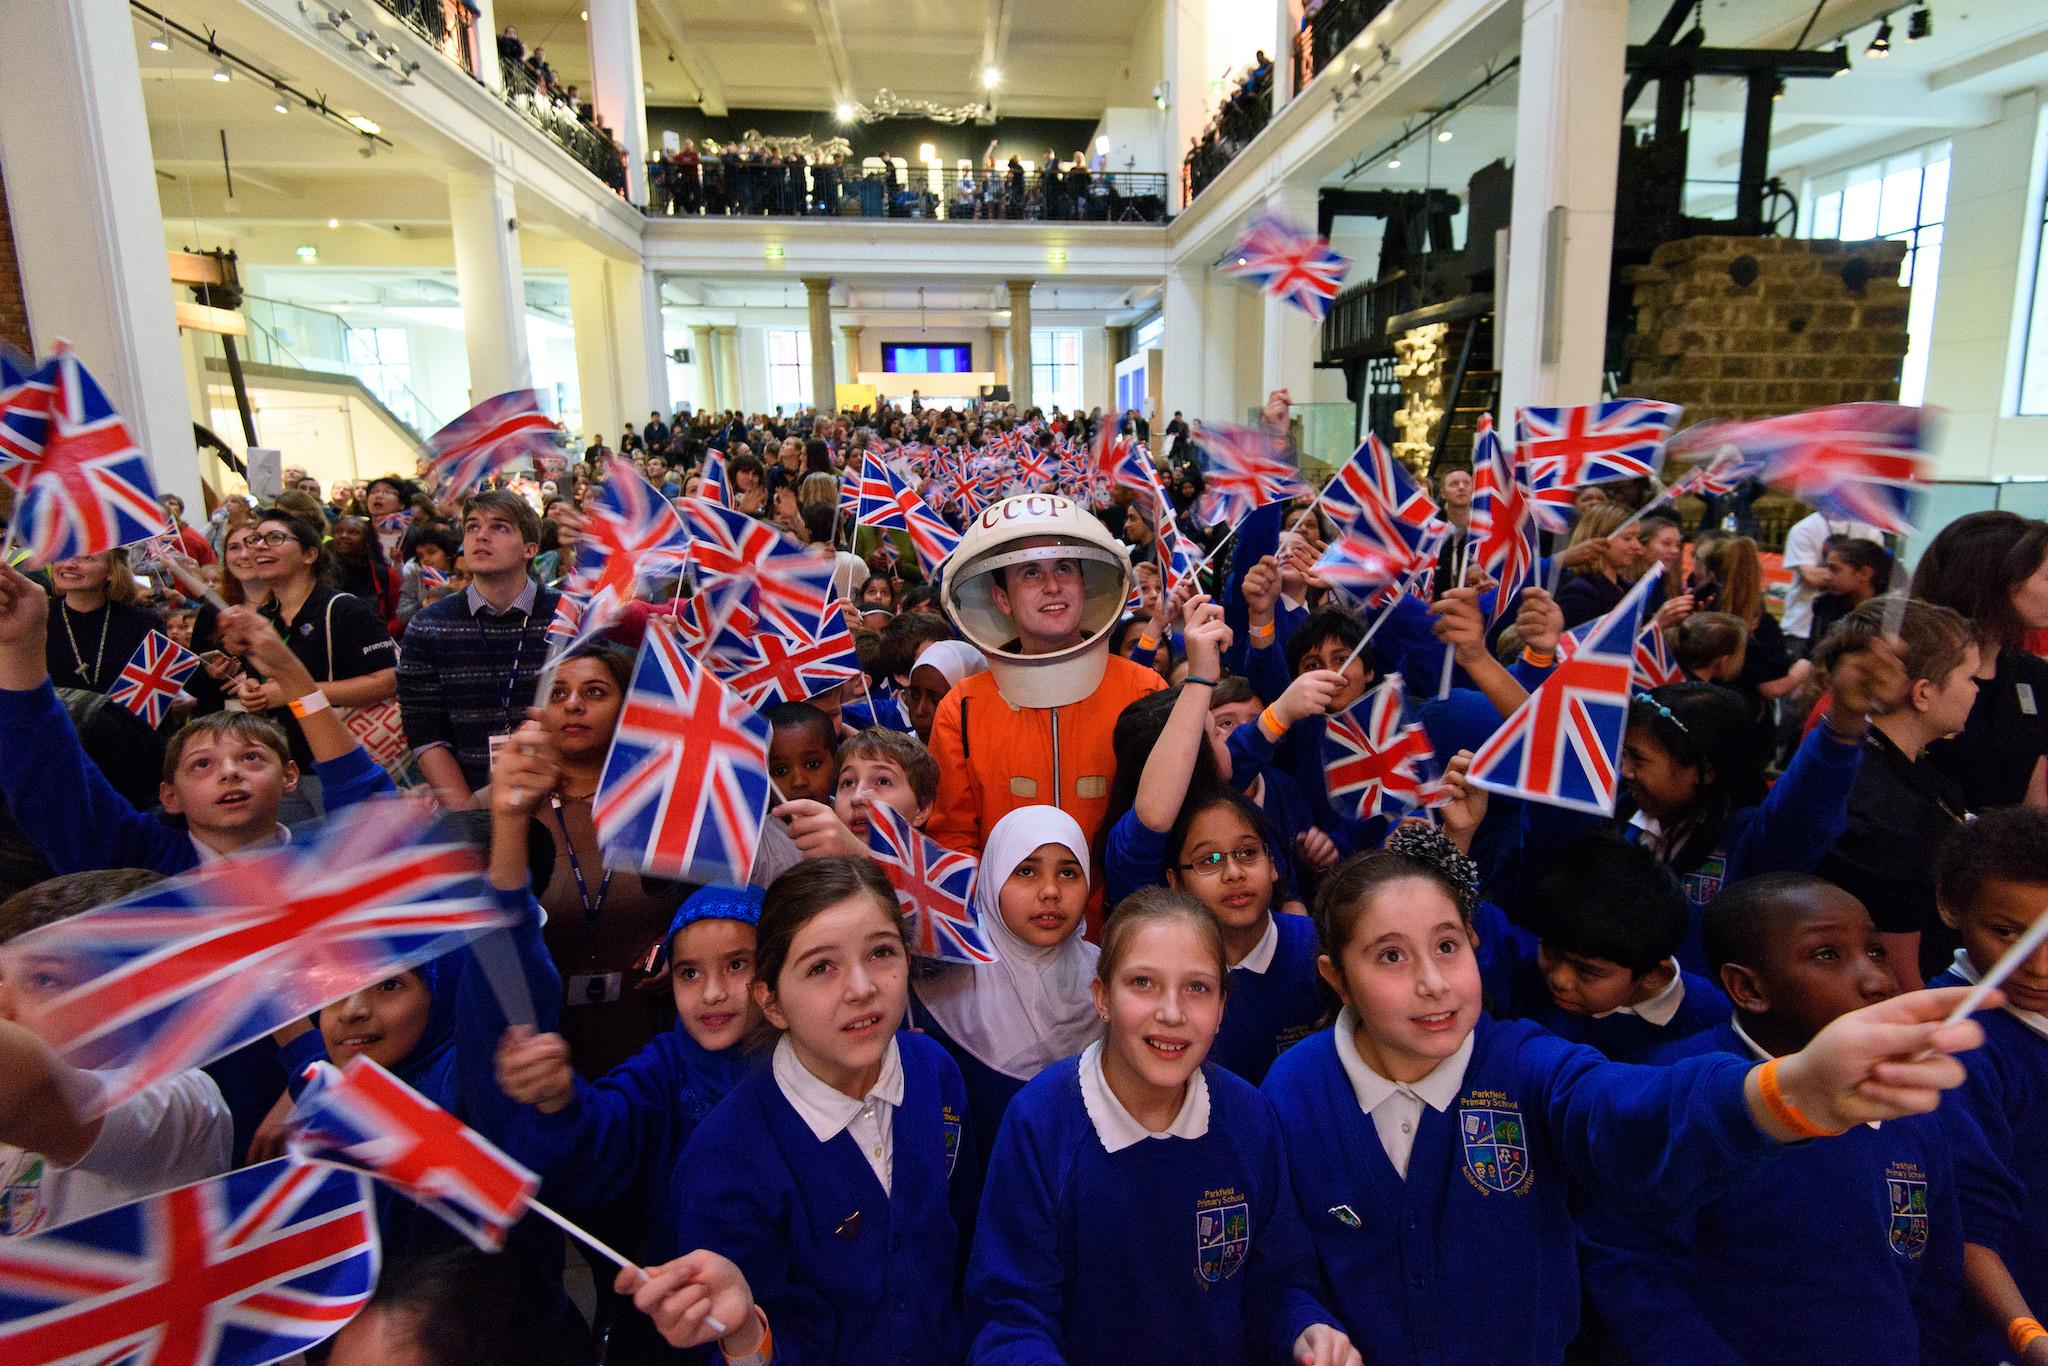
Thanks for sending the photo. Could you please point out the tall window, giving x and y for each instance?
(1056, 368)
(1902, 199)
(381, 358)
(789, 369)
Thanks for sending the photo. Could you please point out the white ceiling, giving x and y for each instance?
(1058, 58)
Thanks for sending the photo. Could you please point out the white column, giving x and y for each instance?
(598, 368)
(1186, 85)
(824, 394)
(620, 95)
(1286, 23)
(729, 392)
(1020, 344)
(1291, 341)
(643, 352)
(999, 354)
(707, 374)
(1220, 343)
(1987, 265)
(81, 192)
(849, 335)
(1183, 312)
(487, 68)
(1561, 246)
(485, 225)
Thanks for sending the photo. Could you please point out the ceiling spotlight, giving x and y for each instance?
(1443, 134)
(1841, 50)
(161, 40)
(221, 72)
(1393, 163)
(844, 110)
(368, 149)
(279, 103)
(367, 127)
(334, 222)
(991, 78)
(1919, 24)
(1881, 45)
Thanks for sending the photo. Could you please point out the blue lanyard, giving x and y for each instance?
(590, 908)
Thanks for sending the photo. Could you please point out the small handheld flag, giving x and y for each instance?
(1565, 449)
(1563, 746)
(685, 786)
(1242, 471)
(1861, 461)
(152, 677)
(91, 488)
(1377, 760)
(934, 885)
(240, 1270)
(363, 1118)
(1288, 263)
(493, 436)
(1503, 523)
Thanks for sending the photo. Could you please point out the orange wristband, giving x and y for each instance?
(1536, 658)
(763, 1354)
(2022, 1334)
(1147, 644)
(1271, 726)
(1263, 633)
(1784, 1111)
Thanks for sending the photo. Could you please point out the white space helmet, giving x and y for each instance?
(1037, 526)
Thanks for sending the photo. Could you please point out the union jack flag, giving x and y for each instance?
(685, 785)
(152, 677)
(194, 967)
(790, 585)
(394, 522)
(1177, 555)
(1036, 467)
(1563, 746)
(1722, 475)
(1861, 461)
(91, 490)
(1242, 471)
(1373, 478)
(363, 1118)
(887, 505)
(244, 1269)
(631, 533)
(431, 577)
(1593, 443)
(1288, 263)
(773, 668)
(934, 885)
(1654, 666)
(1376, 753)
(712, 487)
(493, 436)
(1503, 521)
(1361, 564)
(24, 416)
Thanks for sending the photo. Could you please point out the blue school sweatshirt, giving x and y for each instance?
(2006, 1197)
(989, 1092)
(622, 1133)
(1516, 988)
(1170, 1250)
(1471, 1258)
(1844, 1249)
(847, 1272)
(79, 823)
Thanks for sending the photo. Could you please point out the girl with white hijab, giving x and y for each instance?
(1007, 1021)
(938, 669)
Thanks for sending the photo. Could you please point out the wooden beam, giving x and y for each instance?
(223, 322)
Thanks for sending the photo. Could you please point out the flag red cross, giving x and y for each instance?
(1561, 716)
(423, 1147)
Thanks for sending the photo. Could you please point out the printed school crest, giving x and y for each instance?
(1496, 1143)
(949, 1128)
(1907, 1185)
(1223, 1233)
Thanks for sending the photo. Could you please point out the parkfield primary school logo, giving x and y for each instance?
(949, 1126)
(1496, 1143)
(1907, 1185)
(1223, 1233)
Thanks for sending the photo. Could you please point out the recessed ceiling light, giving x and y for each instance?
(334, 222)
(1393, 163)
(991, 77)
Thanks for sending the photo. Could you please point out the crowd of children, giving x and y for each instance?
(1253, 1076)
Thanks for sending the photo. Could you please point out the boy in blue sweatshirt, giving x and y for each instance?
(1991, 884)
(1602, 971)
(1848, 1250)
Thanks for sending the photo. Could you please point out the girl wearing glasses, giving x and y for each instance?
(1200, 835)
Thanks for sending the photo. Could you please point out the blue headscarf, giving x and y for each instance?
(709, 1074)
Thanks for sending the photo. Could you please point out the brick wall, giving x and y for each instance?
(13, 310)
(1752, 327)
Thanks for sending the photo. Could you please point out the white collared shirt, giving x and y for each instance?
(208, 854)
(1116, 1127)
(1261, 956)
(871, 1120)
(1661, 1009)
(1396, 1107)
(2032, 1019)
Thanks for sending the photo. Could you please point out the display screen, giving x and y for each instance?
(908, 358)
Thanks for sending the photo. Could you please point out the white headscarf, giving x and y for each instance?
(956, 659)
(1032, 1006)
